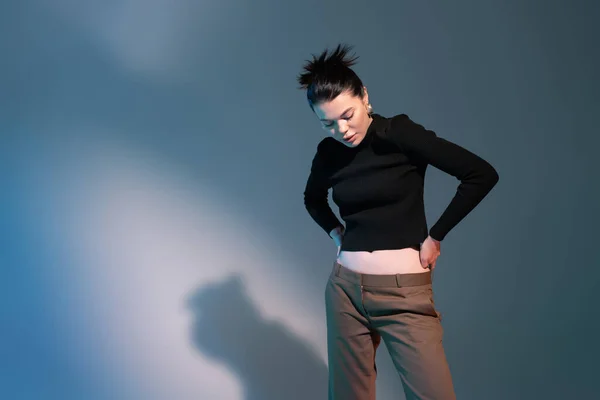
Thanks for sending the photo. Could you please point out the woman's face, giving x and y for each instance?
(346, 117)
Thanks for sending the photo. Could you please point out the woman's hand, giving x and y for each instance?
(337, 235)
(430, 251)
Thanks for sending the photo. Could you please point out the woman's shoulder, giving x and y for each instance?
(401, 127)
(398, 121)
(385, 124)
(388, 128)
(327, 146)
(326, 150)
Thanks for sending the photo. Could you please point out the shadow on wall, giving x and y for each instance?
(271, 362)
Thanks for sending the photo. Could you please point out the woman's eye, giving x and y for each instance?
(330, 125)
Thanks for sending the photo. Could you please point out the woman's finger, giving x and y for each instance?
(433, 263)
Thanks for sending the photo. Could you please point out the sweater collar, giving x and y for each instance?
(377, 127)
(378, 124)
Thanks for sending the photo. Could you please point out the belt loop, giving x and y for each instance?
(337, 268)
(398, 280)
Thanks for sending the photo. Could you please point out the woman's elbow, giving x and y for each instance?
(491, 176)
(313, 200)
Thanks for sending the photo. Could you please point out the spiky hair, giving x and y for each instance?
(328, 75)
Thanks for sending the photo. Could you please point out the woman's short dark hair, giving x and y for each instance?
(327, 76)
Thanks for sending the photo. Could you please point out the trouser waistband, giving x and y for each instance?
(396, 280)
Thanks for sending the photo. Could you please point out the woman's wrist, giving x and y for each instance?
(435, 240)
(337, 235)
(337, 231)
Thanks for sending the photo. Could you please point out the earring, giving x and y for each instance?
(369, 108)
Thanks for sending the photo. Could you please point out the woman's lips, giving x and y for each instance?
(349, 138)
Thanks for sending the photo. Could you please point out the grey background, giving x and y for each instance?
(516, 82)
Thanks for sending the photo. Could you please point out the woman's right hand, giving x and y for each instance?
(337, 235)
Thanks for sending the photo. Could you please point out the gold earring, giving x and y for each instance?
(369, 108)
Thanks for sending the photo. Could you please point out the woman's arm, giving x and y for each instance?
(316, 194)
(477, 177)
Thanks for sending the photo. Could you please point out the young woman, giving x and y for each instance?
(380, 285)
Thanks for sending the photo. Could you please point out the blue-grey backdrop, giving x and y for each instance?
(154, 155)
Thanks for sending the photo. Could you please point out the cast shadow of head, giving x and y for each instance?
(271, 362)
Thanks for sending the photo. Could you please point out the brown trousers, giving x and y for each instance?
(361, 310)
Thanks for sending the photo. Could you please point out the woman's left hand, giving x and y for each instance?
(430, 251)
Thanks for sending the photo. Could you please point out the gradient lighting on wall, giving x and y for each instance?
(172, 291)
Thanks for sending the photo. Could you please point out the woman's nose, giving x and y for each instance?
(343, 127)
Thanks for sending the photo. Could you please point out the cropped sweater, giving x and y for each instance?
(378, 185)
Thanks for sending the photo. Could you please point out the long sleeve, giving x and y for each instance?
(316, 193)
(477, 177)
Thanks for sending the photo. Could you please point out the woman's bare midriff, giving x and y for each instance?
(382, 262)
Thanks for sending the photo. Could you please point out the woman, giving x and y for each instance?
(380, 285)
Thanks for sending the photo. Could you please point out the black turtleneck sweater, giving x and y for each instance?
(378, 185)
